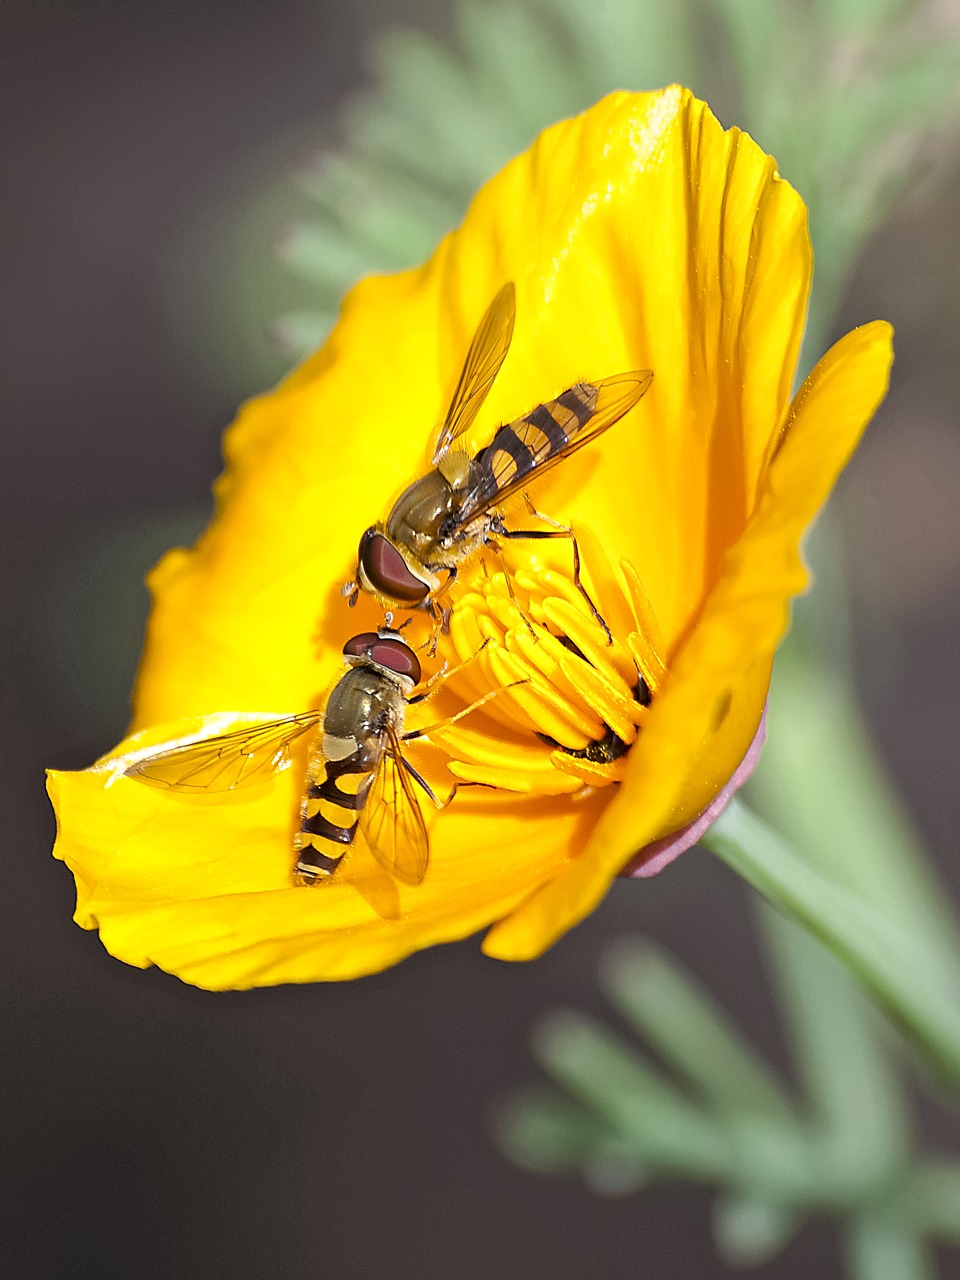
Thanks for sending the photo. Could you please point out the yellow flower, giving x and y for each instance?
(639, 235)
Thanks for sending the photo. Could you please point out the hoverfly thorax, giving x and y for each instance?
(448, 514)
(356, 777)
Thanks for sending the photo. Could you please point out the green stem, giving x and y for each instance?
(895, 965)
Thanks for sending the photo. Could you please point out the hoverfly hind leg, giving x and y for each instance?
(559, 531)
(496, 527)
(457, 786)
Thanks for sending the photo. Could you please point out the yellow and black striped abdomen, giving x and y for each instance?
(332, 800)
(518, 448)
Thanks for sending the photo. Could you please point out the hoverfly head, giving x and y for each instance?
(383, 570)
(385, 650)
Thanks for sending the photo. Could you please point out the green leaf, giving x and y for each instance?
(518, 64)
(299, 332)
(858, 1112)
(662, 1127)
(750, 1231)
(545, 1132)
(321, 252)
(879, 1247)
(934, 1199)
(688, 1031)
(859, 17)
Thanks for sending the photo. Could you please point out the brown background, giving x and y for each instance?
(152, 1130)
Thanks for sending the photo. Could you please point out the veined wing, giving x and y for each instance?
(242, 758)
(488, 350)
(391, 820)
(524, 450)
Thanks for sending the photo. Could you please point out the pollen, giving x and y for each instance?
(571, 699)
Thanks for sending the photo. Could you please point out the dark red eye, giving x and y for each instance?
(385, 570)
(359, 646)
(396, 656)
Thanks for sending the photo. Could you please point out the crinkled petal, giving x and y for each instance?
(202, 885)
(639, 235)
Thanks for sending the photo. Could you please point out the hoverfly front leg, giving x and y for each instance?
(413, 734)
(557, 531)
(441, 615)
(444, 673)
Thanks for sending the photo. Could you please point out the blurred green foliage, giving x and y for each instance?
(844, 94)
(710, 1110)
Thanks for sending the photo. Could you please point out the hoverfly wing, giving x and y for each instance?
(488, 350)
(524, 450)
(242, 758)
(391, 821)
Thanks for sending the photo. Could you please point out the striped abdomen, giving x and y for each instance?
(518, 448)
(332, 800)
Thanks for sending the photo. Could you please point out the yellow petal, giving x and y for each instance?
(701, 726)
(202, 886)
(639, 235)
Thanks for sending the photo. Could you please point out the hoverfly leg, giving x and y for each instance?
(446, 611)
(444, 673)
(560, 531)
(419, 780)
(437, 629)
(428, 689)
(457, 786)
(413, 734)
(496, 527)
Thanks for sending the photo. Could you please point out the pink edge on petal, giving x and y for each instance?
(652, 859)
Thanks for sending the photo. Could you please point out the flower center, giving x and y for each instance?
(570, 701)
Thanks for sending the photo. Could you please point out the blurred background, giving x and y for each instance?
(152, 1130)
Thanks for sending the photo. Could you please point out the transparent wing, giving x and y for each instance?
(242, 758)
(487, 353)
(391, 821)
(532, 452)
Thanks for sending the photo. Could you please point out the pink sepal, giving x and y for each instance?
(656, 856)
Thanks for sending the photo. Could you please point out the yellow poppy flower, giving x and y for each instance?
(639, 235)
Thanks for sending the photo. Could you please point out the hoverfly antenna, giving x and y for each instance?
(350, 591)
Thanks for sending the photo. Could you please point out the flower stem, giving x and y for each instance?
(897, 966)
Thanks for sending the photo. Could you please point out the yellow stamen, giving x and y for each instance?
(564, 721)
(646, 643)
(575, 701)
(589, 773)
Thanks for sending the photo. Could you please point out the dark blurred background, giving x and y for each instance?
(153, 1130)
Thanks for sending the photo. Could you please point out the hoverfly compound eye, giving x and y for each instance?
(397, 657)
(359, 646)
(385, 570)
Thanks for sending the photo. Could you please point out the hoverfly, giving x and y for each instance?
(448, 514)
(357, 775)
